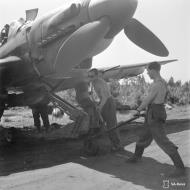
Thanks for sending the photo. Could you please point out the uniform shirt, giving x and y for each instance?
(102, 90)
(157, 94)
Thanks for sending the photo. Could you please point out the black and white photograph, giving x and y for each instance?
(94, 94)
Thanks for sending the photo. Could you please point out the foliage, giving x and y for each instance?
(68, 95)
(178, 93)
(133, 90)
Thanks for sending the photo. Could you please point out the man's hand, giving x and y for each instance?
(136, 113)
(133, 113)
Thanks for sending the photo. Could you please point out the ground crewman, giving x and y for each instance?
(3, 99)
(107, 106)
(41, 110)
(84, 100)
(154, 121)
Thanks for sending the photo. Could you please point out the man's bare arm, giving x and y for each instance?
(150, 97)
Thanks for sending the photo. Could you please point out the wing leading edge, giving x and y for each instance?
(126, 71)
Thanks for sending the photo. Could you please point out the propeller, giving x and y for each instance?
(144, 38)
(81, 43)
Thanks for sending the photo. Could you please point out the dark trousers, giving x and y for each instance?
(2, 108)
(109, 116)
(154, 129)
(40, 111)
(89, 107)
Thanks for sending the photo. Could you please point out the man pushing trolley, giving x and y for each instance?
(154, 122)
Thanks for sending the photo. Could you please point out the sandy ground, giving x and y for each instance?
(62, 164)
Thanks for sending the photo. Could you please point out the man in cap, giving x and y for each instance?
(107, 106)
(155, 120)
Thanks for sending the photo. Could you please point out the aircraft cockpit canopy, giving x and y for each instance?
(4, 34)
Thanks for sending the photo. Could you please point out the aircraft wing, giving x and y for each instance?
(9, 59)
(116, 72)
(120, 72)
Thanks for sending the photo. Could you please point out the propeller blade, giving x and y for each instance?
(144, 38)
(79, 46)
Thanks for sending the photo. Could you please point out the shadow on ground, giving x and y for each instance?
(31, 155)
(148, 173)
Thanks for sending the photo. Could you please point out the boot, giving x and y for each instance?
(38, 129)
(180, 168)
(137, 155)
(115, 141)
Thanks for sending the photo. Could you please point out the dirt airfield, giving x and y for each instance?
(61, 164)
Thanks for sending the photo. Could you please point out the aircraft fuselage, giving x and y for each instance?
(44, 41)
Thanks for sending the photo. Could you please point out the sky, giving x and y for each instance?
(168, 19)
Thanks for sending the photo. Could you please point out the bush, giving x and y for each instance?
(133, 90)
(179, 93)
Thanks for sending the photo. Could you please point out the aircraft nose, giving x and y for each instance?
(118, 11)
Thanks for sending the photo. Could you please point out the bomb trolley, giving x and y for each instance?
(91, 148)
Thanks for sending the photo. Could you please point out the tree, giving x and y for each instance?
(178, 83)
(171, 82)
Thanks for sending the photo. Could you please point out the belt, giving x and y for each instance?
(152, 105)
(157, 104)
